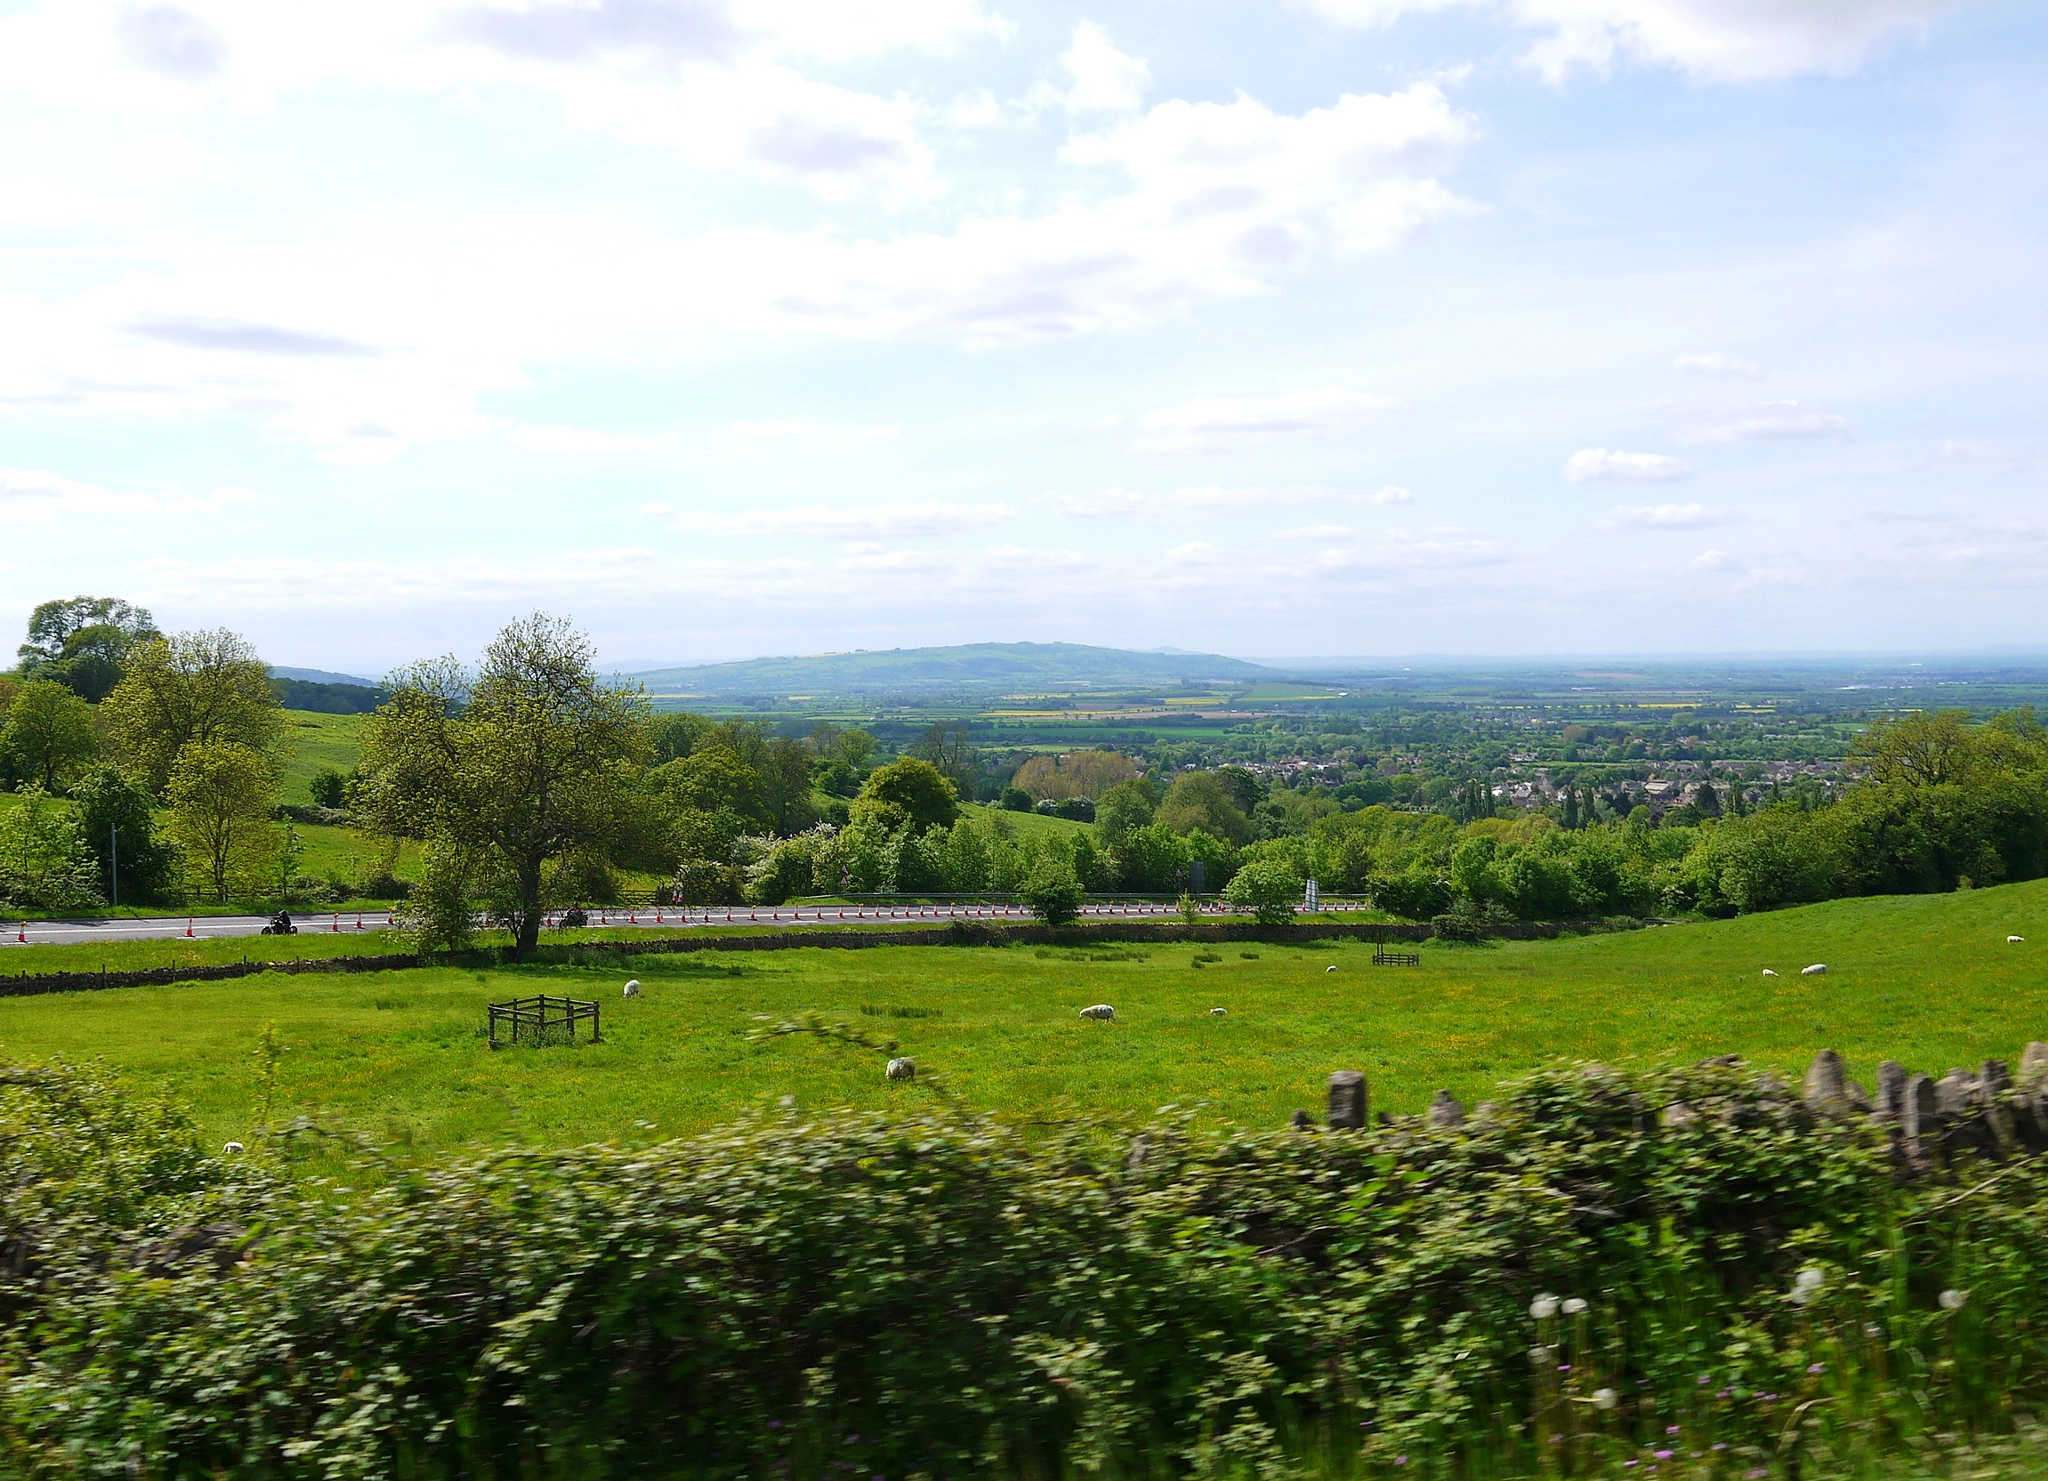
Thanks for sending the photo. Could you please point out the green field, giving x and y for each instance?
(1929, 980)
(313, 741)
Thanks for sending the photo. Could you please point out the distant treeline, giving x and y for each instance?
(326, 699)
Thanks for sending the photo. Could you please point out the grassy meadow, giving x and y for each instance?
(1929, 980)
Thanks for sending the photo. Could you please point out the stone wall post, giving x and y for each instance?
(1348, 1100)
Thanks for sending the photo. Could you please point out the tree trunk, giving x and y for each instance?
(528, 935)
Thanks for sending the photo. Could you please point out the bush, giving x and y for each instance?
(437, 914)
(1268, 889)
(947, 1295)
(1016, 799)
(1052, 890)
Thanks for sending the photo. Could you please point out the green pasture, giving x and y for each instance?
(1025, 824)
(313, 741)
(1929, 980)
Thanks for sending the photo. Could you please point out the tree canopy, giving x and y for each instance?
(190, 689)
(528, 760)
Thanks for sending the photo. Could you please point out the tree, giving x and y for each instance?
(117, 824)
(1269, 889)
(950, 750)
(907, 793)
(44, 863)
(49, 732)
(1052, 889)
(1205, 800)
(192, 689)
(221, 794)
(81, 642)
(527, 760)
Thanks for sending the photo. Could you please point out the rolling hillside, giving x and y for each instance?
(998, 667)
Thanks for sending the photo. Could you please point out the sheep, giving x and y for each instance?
(2014, 940)
(1101, 1012)
(901, 1069)
(1818, 969)
(1329, 969)
(228, 1149)
(633, 988)
(1769, 973)
(1218, 1012)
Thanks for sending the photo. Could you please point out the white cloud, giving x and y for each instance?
(1105, 80)
(1597, 464)
(1646, 518)
(1184, 503)
(1717, 364)
(1981, 454)
(780, 427)
(581, 442)
(1726, 40)
(1322, 533)
(844, 522)
(1212, 423)
(1712, 560)
(35, 496)
(1767, 421)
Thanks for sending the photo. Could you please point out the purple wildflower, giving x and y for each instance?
(1663, 1455)
(1816, 1367)
(1670, 1429)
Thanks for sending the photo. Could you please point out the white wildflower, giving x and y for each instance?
(1605, 1398)
(1573, 1306)
(1953, 1300)
(1544, 1307)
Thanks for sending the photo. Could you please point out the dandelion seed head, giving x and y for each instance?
(1573, 1306)
(1544, 1307)
(1605, 1398)
(1809, 1279)
(1953, 1300)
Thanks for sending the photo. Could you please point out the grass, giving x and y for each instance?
(313, 741)
(1027, 824)
(1928, 980)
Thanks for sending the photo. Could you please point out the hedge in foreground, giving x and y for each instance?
(1572, 1283)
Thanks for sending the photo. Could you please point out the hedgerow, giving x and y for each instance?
(1576, 1281)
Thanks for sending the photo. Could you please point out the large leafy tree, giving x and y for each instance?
(84, 642)
(191, 689)
(221, 794)
(907, 793)
(525, 761)
(48, 734)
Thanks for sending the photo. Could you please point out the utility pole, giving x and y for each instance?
(113, 866)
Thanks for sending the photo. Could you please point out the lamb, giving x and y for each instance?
(1769, 973)
(228, 1149)
(1218, 1012)
(1101, 1012)
(1818, 969)
(633, 988)
(2014, 940)
(901, 1069)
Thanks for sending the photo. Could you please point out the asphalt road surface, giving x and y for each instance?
(351, 923)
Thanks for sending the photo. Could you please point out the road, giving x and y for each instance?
(351, 923)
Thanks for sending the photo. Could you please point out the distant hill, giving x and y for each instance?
(1004, 666)
(325, 699)
(321, 676)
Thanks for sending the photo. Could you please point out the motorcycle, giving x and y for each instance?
(280, 925)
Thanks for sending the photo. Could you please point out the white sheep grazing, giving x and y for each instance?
(2014, 940)
(229, 1148)
(1101, 1012)
(1769, 973)
(1329, 969)
(1218, 1012)
(901, 1069)
(1818, 969)
(633, 988)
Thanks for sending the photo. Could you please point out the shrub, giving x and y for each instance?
(1052, 891)
(1016, 799)
(940, 1293)
(1268, 889)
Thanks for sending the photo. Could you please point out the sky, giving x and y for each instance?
(742, 327)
